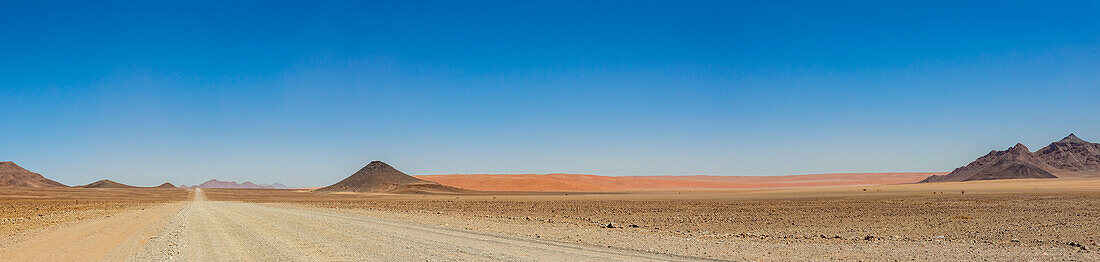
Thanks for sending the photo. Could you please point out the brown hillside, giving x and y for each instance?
(107, 184)
(12, 175)
(379, 177)
(166, 185)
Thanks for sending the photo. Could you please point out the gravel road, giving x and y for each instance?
(233, 231)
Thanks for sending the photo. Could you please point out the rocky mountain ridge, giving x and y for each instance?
(1069, 157)
(214, 183)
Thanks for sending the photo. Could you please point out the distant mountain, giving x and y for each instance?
(379, 177)
(1069, 157)
(214, 183)
(106, 184)
(12, 175)
(166, 185)
(275, 185)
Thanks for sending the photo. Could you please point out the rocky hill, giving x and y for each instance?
(1069, 157)
(12, 175)
(379, 177)
(1072, 156)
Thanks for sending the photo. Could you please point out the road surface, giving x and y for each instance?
(202, 230)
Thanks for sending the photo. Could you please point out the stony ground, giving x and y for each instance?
(1007, 219)
(25, 210)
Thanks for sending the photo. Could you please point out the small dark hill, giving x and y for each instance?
(166, 185)
(12, 175)
(106, 184)
(379, 177)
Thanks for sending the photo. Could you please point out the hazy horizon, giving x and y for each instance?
(305, 94)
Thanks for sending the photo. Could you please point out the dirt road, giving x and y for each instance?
(202, 230)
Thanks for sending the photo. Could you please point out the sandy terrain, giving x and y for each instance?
(589, 183)
(1046, 220)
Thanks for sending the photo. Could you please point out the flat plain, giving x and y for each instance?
(1026, 219)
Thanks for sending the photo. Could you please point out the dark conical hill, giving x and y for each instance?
(379, 177)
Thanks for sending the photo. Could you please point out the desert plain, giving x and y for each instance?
(1000, 220)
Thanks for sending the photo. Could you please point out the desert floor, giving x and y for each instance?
(989, 220)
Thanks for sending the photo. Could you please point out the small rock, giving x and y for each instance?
(1078, 245)
(1015, 240)
(609, 225)
(634, 226)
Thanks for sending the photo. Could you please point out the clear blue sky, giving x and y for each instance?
(305, 93)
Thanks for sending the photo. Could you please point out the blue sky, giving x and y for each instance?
(305, 93)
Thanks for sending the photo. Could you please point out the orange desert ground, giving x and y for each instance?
(576, 182)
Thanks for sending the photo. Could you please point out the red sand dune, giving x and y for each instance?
(575, 182)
